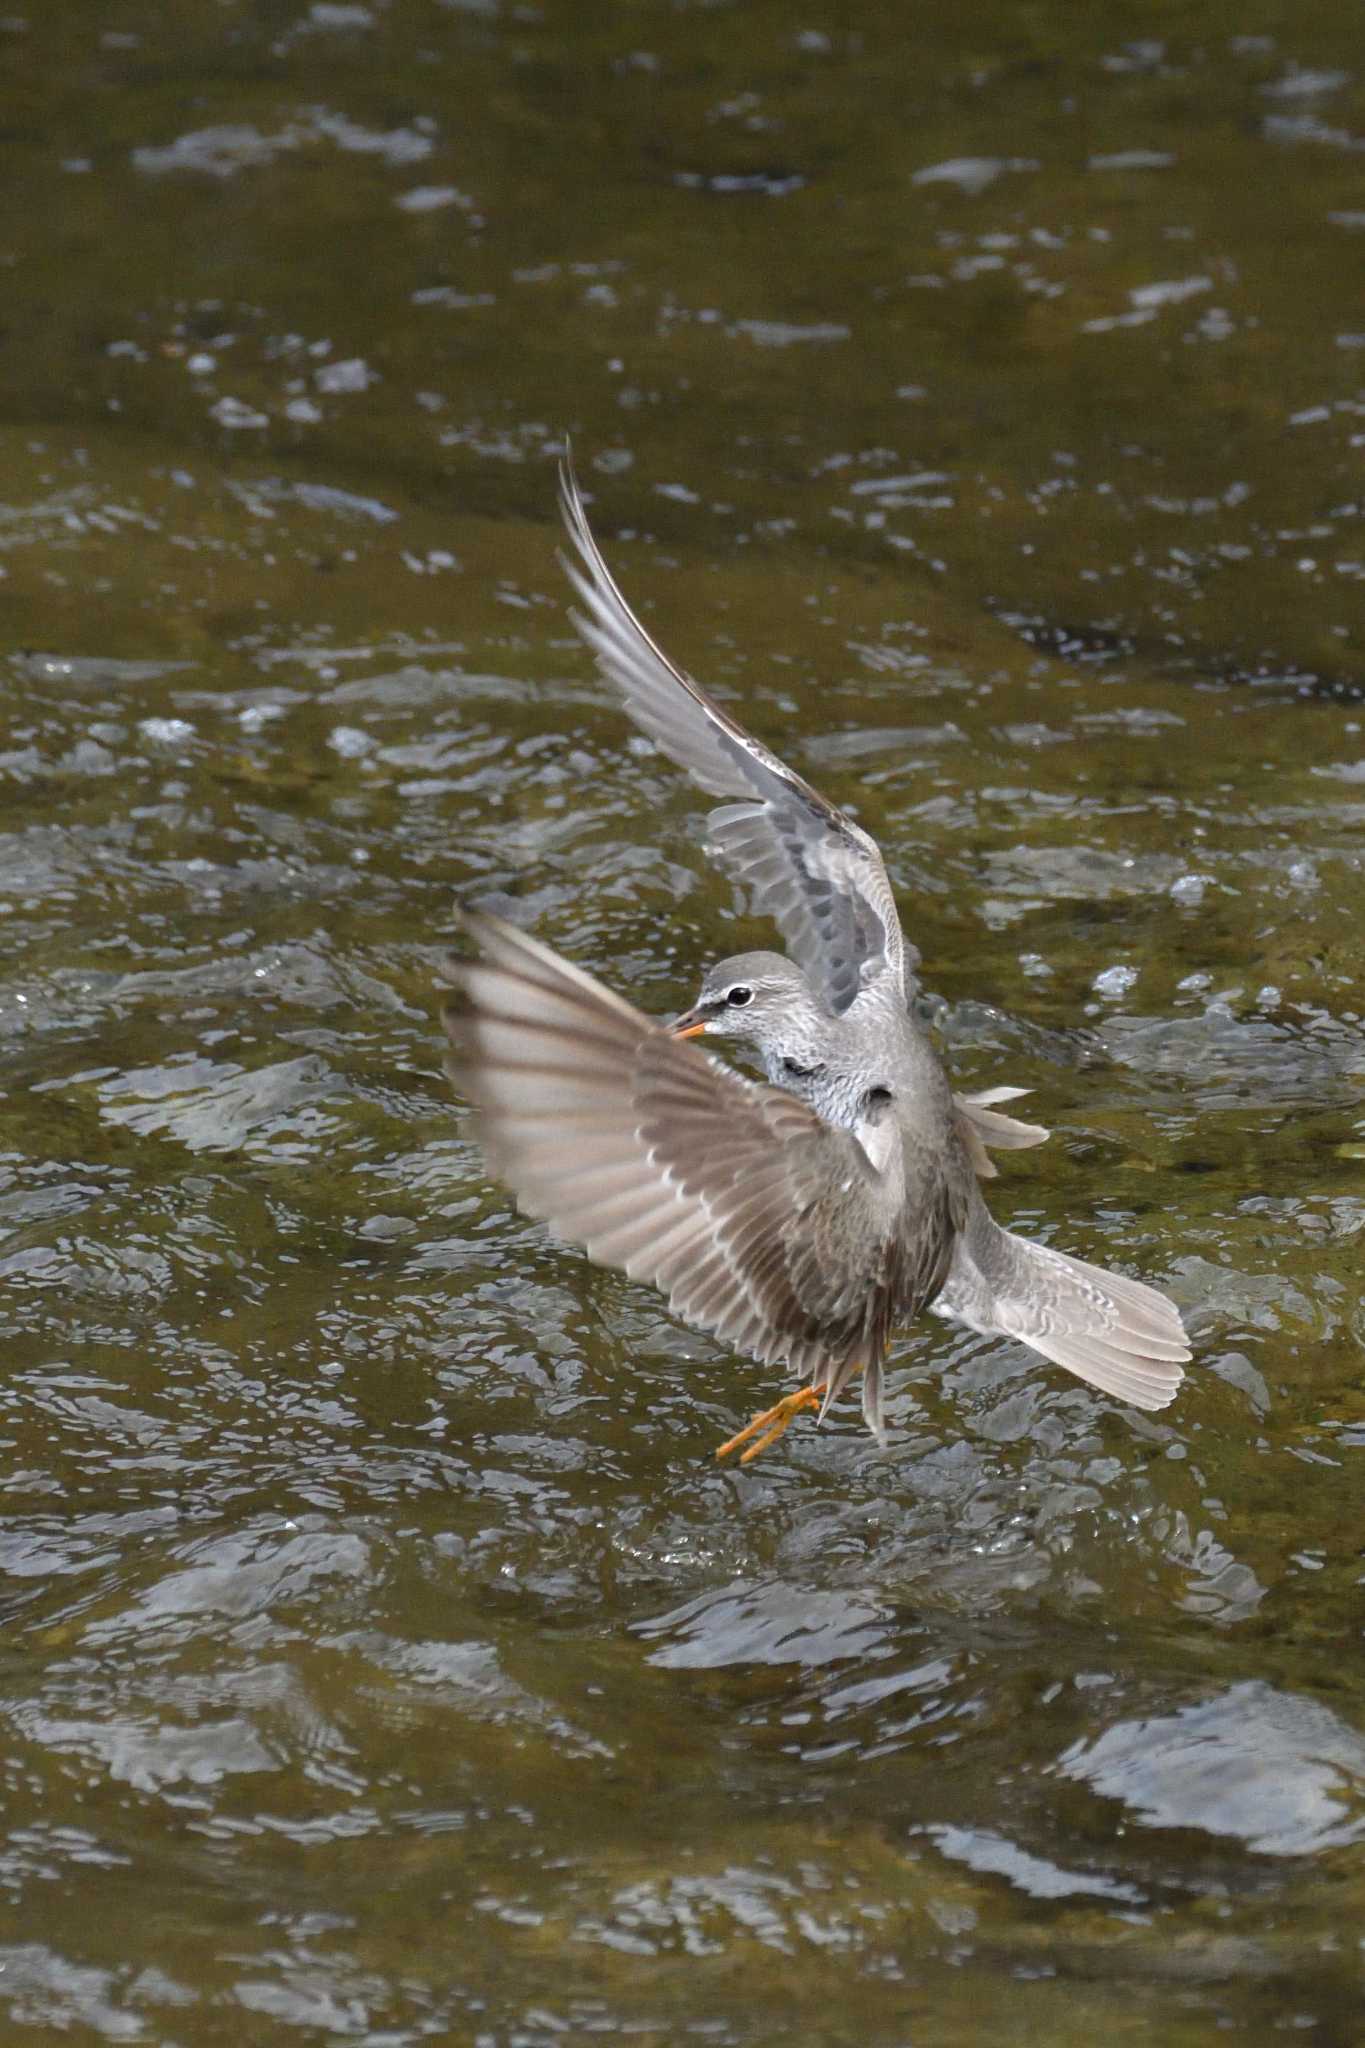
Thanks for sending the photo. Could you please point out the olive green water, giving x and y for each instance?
(976, 396)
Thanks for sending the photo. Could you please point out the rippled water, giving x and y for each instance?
(973, 396)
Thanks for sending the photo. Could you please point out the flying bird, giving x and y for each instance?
(804, 1217)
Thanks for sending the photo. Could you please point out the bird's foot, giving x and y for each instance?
(773, 1422)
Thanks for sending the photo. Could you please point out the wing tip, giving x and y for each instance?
(571, 507)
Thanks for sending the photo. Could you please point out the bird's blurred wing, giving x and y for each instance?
(758, 1220)
(819, 876)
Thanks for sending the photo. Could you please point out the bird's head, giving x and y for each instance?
(759, 997)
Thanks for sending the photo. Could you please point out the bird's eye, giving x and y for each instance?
(737, 997)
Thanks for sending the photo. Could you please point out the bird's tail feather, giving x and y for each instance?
(1115, 1333)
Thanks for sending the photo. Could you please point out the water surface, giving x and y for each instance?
(974, 397)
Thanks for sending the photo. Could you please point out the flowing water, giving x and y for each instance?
(974, 397)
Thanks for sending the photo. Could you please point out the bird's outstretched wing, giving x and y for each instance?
(757, 1219)
(819, 876)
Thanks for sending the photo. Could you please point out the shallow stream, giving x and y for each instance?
(974, 397)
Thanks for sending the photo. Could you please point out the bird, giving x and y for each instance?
(800, 1218)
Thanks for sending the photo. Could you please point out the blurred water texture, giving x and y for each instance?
(974, 396)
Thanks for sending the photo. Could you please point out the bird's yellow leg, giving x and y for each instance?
(773, 1422)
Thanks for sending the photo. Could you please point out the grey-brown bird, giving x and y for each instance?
(803, 1218)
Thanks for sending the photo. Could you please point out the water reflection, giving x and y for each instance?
(1278, 1771)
